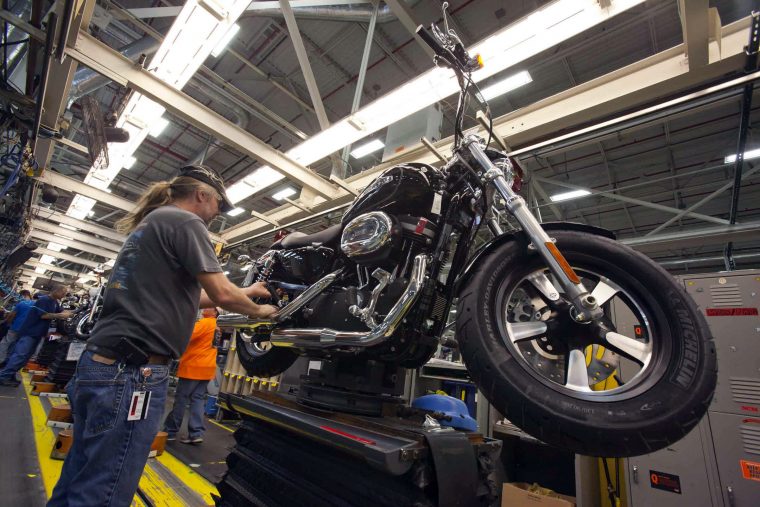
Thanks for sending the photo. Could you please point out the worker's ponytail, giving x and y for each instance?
(159, 194)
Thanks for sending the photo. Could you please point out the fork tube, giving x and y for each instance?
(585, 305)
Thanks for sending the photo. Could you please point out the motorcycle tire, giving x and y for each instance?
(259, 362)
(659, 405)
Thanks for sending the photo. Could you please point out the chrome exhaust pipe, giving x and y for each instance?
(237, 320)
(329, 338)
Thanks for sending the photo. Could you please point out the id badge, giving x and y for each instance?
(138, 406)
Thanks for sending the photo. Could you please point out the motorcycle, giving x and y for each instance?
(86, 315)
(575, 338)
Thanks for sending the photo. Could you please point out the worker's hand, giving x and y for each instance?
(264, 311)
(67, 314)
(257, 290)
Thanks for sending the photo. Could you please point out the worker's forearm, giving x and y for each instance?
(236, 301)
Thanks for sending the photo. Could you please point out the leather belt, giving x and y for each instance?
(152, 359)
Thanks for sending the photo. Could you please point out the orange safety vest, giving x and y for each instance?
(199, 360)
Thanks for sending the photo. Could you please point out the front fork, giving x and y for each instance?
(586, 306)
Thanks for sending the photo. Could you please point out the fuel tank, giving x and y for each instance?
(401, 190)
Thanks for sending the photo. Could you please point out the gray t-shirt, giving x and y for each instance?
(152, 294)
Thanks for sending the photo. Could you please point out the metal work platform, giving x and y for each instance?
(290, 454)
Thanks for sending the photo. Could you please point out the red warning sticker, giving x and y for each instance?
(731, 312)
(664, 481)
(750, 470)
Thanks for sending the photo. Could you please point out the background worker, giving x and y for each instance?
(31, 332)
(14, 319)
(196, 367)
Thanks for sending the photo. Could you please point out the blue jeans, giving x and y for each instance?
(105, 462)
(193, 392)
(22, 351)
(7, 344)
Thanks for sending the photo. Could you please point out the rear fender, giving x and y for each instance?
(519, 236)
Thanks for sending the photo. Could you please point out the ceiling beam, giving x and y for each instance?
(79, 224)
(46, 236)
(694, 23)
(715, 235)
(50, 267)
(72, 185)
(59, 83)
(67, 257)
(303, 61)
(104, 60)
(77, 236)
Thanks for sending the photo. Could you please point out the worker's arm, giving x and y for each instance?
(10, 316)
(219, 291)
(52, 316)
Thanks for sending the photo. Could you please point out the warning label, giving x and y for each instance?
(665, 482)
(731, 312)
(750, 470)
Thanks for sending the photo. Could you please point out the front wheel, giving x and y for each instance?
(634, 382)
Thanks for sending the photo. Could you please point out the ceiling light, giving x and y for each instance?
(40, 270)
(129, 161)
(235, 212)
(366, 149)
(55, 247)
(566, 196)
(47, 259)
(66, 226)
(90, 213)
(158, 126)
(257, 180)
(285, 192)
(730, 159)
(111, 263)
(225, 40)
(506, 85)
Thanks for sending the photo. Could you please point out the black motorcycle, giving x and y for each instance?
(575, 338)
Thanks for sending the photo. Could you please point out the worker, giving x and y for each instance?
(165, 271)
(14, 319)
(196, 367)
(32, 331)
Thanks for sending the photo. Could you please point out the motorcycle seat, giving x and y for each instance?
(300, 239)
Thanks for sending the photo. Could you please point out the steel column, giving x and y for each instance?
(340, 171)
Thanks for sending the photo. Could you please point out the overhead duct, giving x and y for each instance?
(356, 13)
(87, 80)
(16, 52)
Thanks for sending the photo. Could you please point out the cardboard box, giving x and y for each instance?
(517, 494)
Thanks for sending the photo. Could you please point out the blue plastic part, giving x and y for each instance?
(453, 407)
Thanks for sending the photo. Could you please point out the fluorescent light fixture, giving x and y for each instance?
(158, 126)
(506, 85)
(566, 196)
(47, 259)
(254, 182)
(235, 212)
(66, 226)
(40, 270)
(90, 213)
(129, 162)
(111, 263)
(285, 192)
(366, 149)
(62, 236)
(225, 40)
(55, 247)
(730, 159)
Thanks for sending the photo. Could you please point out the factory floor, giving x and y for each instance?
(184, 475)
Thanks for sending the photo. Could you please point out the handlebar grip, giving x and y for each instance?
(431, 41)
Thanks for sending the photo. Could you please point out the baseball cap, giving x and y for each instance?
(210, 177)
